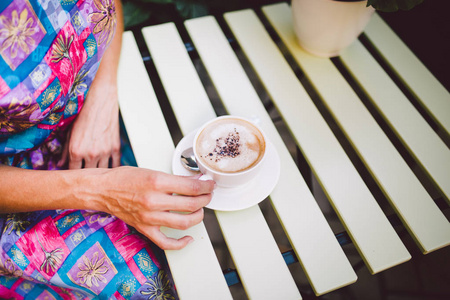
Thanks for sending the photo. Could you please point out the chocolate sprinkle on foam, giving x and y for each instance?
(226, 147)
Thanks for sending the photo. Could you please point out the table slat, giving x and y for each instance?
(409, 198)
(251, 244)
(415, 133)
(420, 81)
(256, 255)
(135, 109)
(179, 77)
(374, 237)
(293, 202)
(145, 125)
(429, 223)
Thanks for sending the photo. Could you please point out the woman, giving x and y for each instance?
(64, 211)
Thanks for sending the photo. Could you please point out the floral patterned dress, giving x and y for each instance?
(50, 51)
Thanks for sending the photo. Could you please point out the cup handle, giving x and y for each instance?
(205, 177)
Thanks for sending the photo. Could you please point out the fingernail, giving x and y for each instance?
(190, 241)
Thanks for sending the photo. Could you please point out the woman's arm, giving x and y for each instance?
(94, 137)
(142, 198)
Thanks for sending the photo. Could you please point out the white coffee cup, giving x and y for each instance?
(230, 150)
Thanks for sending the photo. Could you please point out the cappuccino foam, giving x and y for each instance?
(230, 145)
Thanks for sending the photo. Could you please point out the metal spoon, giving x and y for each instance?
(188, 160)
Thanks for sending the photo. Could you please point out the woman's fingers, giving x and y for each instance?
(165, 202)
(75, 162)
(115, 157)
(164, 242)
(148, 199)
(92, 160)
(181, 221)
(183, 185)
(103, 162)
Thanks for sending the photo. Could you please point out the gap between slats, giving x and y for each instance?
(136, 113)
(240, 98)
(426, 88)
(178, 91)
(405, 192)
(284, 93)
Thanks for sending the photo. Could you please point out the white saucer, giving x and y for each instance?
(229, 199)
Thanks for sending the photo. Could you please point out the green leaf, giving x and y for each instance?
(133, 14)
(191, 10)
(393, 5)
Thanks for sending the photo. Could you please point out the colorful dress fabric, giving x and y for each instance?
(72, 254)
(50, 51)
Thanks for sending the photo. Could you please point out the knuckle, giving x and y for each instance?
(196, 187)
(74, 152)
(184, 223)
(153, 219)
(116, 148)
(149, 203)
(103, 153)
(159, 240)
(191, 204)
(106, 153)
(92, 154)
(153, 181)
(140, 216)
(162, 244)
(201, 216)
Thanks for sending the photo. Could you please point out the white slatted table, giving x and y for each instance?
(255, 253)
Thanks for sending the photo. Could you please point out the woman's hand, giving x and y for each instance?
(147, 200)
(142, 198)
(94, 138)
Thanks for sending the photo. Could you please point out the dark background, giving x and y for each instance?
(426, 31)
(425, 28)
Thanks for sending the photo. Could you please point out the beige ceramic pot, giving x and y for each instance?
(325, 27)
